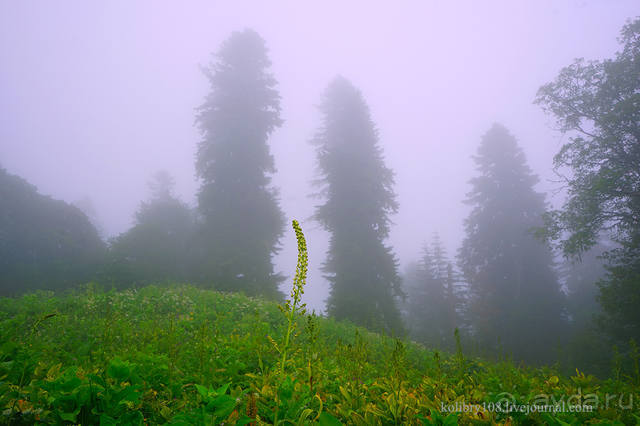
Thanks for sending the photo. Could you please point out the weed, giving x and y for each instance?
(292, 306)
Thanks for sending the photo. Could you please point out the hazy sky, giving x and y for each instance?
(97, 96)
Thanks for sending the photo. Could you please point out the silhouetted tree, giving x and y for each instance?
(432, 301)
(44, 243)
(598, 104)
(242, 221)
(157, 248)
(357, 185)
(516, 301)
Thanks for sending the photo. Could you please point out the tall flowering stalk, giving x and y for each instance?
(292, 306)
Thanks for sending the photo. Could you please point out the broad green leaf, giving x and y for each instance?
(222, 389)
(204, 392)
(451, 420)
(107, 421)
(70, 417)
(327, 419)
(119, 370)
(224, 405)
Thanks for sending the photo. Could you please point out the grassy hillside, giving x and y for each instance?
(183, 355)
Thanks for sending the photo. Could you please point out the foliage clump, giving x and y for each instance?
(597, 104)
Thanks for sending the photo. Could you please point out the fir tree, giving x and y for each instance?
(358, 188)
(432, 298)
(156, 249)
(242, 220)
(516, 304)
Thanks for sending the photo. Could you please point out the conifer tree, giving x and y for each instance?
(241, 218)
(516, 306)
(156, 249)
(359, 197)
(432, 298)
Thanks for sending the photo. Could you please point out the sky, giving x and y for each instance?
(95, 97)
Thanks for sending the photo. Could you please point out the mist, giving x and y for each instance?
(98, 97)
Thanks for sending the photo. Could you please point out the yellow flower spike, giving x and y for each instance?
(292, 306)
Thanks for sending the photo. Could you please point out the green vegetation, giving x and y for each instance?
(182, 355)
(597, 104)
(179, 354)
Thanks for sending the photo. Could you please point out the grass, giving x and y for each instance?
(183, 355)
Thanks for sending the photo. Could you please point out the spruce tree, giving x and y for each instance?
(516, 304)
(156, 249)
(359, 196)
(241, 218)
(432, 298)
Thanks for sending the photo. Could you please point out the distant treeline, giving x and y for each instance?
(502, 295)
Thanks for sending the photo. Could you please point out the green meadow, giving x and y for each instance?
(182, 355)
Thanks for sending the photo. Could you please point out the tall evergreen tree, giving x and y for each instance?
(432, 301)
(156, 249)
(516, 303)
(358, 188)
(242, 220)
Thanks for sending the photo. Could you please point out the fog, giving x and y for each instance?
(96, 97)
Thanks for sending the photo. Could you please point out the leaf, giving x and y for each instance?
(344, 393)
(224, 405)
(306, 413)
(285, 391)
(97, 379)
(132, 418)
(244, 420)
(119, 370)
(127, 394)
(222, 389)
(165, 412)
(71, 384)
(70, 417)
(553, 420)
(451, 420)
(327, 419)
(83, 395)
(107, 421)
(204, 392)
